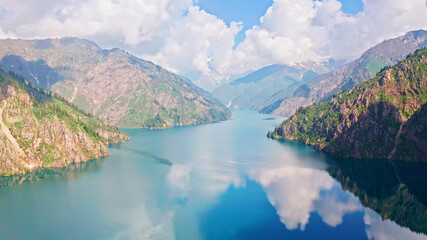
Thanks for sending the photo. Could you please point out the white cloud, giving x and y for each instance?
(2, 33)
(298, 31)
(129, 22)
(196, 41)
(290, 32)
(180, 36)
(380, 20)
(173, 33)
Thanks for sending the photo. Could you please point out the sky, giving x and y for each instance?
(248, 12)
(219, 38)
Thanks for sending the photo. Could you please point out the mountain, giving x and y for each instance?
(325, 86)
(267, 85)
(385, 117)
(206, 80)
(112, 85)
(395, 190)
(38, 129)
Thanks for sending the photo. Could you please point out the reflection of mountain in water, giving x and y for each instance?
(68, 172)
(395, 190)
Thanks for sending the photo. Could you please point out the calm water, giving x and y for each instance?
(218, 181)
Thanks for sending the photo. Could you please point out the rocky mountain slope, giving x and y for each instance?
(267, 85)
(112, 85)
(41, 130)
(324, 86)
(384, 117)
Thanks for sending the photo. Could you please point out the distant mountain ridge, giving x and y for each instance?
(383, 118)
(39, 130)
(259, 74)
(269, 84)
(325, 86)
(112, 85)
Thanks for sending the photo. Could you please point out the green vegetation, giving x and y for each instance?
(381, 103)
(78, 69)
(83, 103)
(47, 105)
(46, 152)
(29, 111)
(62, 92)
(19, 125)
(347, 76)
(148, 113)
(75, 120)
(375, 65)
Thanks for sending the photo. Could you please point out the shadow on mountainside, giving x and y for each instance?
(38, 73)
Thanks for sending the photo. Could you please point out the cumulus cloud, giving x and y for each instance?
(130, 21)
(197, 41)
(380, 20)
(299, 31)
(173, 33)
(180, 36)
(290, 32)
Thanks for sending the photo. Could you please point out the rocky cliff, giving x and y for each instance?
(323, 87)
(384, 117)
(112, 85)
(40, 130)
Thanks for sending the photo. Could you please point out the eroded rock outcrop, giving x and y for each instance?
(384, 117)
(323, 87)
(47, 132)
(112, 85)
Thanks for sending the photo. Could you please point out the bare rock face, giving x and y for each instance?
(50, 133)
(381, 118)
(325, 86)
(112, 85)
(414, 138)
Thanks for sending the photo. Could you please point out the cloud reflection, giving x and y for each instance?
(379, 229)
(332, 209)
(147, 224)
(292, 191)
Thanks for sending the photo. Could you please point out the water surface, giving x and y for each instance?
(217, 181)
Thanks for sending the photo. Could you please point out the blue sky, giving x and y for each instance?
(187, 36)
(250, 11)
(247, 11)
(352, 6)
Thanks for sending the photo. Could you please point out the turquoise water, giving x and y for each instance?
(218, 181)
